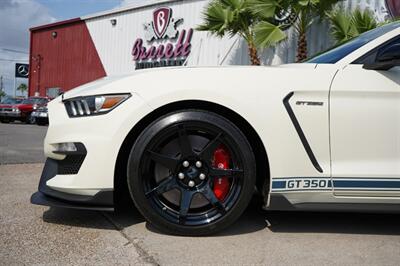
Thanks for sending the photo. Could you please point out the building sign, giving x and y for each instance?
(164, 44)
(21, 70)
(393, 7)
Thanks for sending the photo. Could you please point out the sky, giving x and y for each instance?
(17, 16)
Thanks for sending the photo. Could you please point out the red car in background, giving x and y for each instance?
(21, 111)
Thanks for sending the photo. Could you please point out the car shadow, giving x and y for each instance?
(119, 219)
(76, 218)
(253, 219)
(334, 223)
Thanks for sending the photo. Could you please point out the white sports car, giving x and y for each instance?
(192, 145)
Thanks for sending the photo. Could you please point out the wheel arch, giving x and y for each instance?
(262, 163)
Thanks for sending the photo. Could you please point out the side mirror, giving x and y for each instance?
(386, 59)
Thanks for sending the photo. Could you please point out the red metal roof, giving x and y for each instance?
(55, 24)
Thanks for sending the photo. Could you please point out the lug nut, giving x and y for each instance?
(198, 164)
(191, 183)
(181, 176)
(202, 176)
(185, 164)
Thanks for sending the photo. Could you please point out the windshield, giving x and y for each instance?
(11, 101)
(34, 101)
(335, 54)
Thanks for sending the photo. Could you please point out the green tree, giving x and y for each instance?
(346, 25)
(22, 88)
(308, 12)
(2, 94)
(250, 19)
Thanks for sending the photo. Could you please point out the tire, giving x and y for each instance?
(4, 121)
(30, 120)
(160, 183)
(41, 122)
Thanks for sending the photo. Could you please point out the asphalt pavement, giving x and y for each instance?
(32, 234)
(21, 143)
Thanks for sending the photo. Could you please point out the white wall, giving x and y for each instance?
(114, 44)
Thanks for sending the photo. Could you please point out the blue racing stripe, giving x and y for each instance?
(365, 184)
(278, 184)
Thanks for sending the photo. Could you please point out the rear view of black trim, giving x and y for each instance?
(300, 132)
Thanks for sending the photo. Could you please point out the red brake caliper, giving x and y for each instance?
(221, 184)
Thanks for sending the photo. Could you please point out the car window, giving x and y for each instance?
(337, 53)
(28, 101)
(9, 101)
(40, 101)
(370, 57)
(35, 101)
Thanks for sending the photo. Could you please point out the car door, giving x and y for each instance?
(365, 127)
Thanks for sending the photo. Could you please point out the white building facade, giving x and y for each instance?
(117, 34)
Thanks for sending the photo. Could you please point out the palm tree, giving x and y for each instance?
(346, 25)
(308, 12)
(246, 19)
(22, 88)
(2, 94)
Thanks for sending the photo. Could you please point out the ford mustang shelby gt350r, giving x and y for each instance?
(193, 144)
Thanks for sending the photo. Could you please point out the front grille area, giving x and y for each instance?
(71, 164)
(72, 161)
(79, 107)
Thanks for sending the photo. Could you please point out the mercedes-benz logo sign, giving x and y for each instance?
(23, 70)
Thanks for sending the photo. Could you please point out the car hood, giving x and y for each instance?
(300, 66)
(100, 86)
(24, 106)
(19, 105)
(128, 83)
(92, 87)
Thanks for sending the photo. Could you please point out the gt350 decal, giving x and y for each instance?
(302, 184)
(321, 184)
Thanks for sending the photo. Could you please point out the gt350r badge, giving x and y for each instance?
(309, 103)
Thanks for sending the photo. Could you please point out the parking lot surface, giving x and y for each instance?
(32, 234)
(21, 143)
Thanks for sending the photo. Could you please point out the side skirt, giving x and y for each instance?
(279, 202)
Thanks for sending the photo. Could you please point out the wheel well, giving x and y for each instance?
(120, 183)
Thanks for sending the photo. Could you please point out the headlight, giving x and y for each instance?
(16, 110)
(93, 105)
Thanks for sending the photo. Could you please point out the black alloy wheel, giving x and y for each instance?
(173, 176)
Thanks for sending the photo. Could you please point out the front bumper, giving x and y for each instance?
(39, 114)
(102, 137)
(6, 114)
(102, 200)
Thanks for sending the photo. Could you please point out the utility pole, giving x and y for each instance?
(15, 86)
(1, 86)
